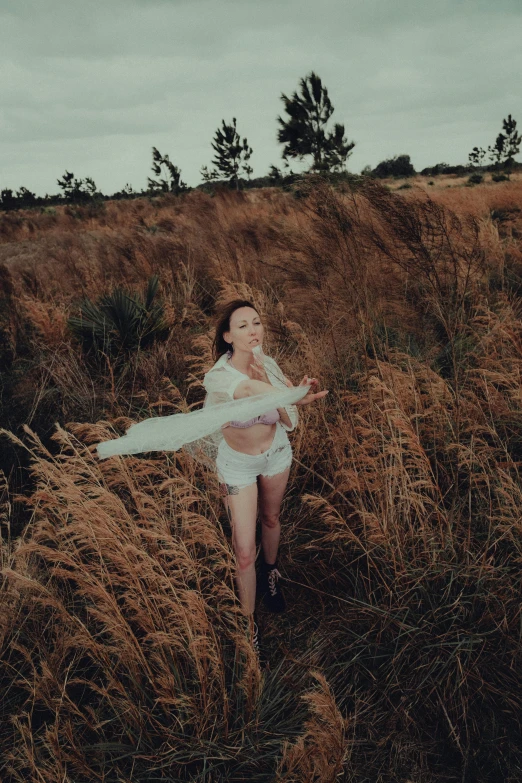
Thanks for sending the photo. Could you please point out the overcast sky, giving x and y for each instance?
(91, 85)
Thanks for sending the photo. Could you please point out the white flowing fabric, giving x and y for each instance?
(200, 431)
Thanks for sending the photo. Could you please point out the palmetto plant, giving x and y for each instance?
(121, 322)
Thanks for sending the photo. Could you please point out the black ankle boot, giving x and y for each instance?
(270, 589)
(257, 646)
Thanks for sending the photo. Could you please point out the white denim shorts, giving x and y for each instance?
(238, 470)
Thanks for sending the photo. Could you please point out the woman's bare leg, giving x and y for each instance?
(241, 505)
(271, 491)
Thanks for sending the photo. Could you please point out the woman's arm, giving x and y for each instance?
(285, 418)
(251, 387)
(259, 369)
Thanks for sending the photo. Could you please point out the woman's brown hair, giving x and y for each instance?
(220, 346)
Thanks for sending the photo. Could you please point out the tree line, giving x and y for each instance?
(305, 134)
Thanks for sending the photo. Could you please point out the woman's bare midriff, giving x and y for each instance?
(252, 440)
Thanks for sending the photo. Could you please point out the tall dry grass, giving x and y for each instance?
(125, 655)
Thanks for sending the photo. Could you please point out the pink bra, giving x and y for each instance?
(267, 418)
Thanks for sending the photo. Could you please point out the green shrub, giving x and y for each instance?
(121, 322)
(505, 214)
(445, 168)
(475, 179)
(399, 166)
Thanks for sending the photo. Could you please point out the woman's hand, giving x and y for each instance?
(258, 370)
(311, 396)
(259, 374)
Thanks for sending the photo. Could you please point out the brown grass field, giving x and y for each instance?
(123, 654)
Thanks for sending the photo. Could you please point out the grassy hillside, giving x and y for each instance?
(123, 654)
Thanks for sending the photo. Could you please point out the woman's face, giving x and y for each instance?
(246, 329)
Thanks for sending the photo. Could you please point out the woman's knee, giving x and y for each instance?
(245, 556)
(270, 519)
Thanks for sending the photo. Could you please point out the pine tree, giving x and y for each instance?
(275, 175)
(513, 139)
(304, 133)
(497, 151)
(231, 155)
(476, 156)
(507, 144)
(339, 149)
(171, 181)
(26, 198)
(77, 189)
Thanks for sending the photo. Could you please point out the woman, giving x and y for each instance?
(254, 456)
(242, 426)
